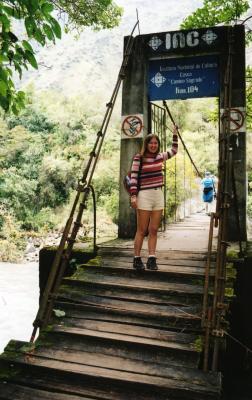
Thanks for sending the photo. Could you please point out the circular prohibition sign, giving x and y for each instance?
(132, 125)
(237, 122)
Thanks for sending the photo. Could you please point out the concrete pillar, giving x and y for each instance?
(238, 140)
(134, 101)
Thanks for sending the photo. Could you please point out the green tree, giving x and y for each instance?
(216, 12)
(37, 24)
(17, 53)
(249, 97)
(100, 14)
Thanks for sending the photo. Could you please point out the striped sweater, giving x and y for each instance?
(151, 175)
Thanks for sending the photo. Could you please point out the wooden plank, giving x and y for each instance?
(165, 272)
(173, 336)
(163, 263)
(185, 313)
(84, 311)
(124, 349)
(140, 280)
(78, 295)
(127, 338)
(10, 391)
(136, 294)
(85, 357)
(136, 331)
(165, 254)
(81, 387)
(167, 385)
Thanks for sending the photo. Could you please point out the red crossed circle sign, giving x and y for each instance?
(236, 119)
(132, 125)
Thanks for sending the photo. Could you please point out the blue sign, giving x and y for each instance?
(184, 78)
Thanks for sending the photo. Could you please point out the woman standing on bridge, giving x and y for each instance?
(147, 196)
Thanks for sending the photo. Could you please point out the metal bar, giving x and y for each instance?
(184, 178)
(236, 209)
(94, 212)
(175, 187)
(207, 271)
(207, 341)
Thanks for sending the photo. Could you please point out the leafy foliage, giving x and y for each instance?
(249, 97)
(100, 14)
(16, 52)
(41, 158)
(12, 240)
(216, 12)
(38, 26)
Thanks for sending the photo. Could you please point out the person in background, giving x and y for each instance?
(208, 192)
(147, 196)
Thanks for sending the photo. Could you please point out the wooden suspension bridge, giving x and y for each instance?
(122, 334)
(109, 332)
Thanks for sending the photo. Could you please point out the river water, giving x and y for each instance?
(19, 296)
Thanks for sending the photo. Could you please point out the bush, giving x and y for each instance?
(111, 205)
(44, 220)
(55, 182)
(12, 241)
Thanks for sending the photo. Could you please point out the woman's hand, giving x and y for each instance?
(133, 201)
(175, 129)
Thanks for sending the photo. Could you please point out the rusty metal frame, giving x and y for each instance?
(213, 314)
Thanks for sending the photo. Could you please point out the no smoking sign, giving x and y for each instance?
(132, 126)
(237, 119)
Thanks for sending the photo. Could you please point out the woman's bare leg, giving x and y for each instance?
(143, 218)
(155, 219)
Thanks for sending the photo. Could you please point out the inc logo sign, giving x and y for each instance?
(180, 40)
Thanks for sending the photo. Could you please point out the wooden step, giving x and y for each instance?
(118, 250)
(157, 334)
(161, 379)
(181, 314)
(54, 386)
(135, 279)
(171, 318)
(10, 391)
(126, 293)
(162, 261)
(114, 339)
(169, 273)
(90, 356)
(164, 264)
(88, 292)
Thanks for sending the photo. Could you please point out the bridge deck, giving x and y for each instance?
(124, 334)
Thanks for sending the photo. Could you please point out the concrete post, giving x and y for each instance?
(134, 101)
(238, 140)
